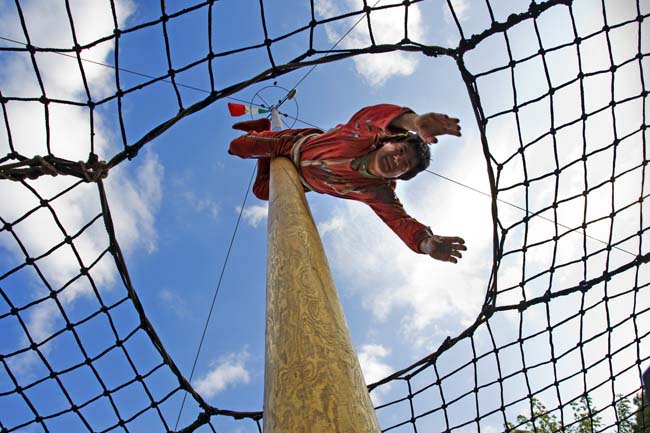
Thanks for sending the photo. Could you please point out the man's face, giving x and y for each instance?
(393, 160)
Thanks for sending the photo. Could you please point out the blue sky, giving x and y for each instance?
(176, 205)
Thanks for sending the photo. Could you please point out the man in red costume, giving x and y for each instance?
(359, 160)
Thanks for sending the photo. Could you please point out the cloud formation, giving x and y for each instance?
(387, 28)
(176, 303)
(391, 280)
(200, 204)
(431, 300)
(371, 358)
(461, 8)
(228, 371)
(609, 320)
(374, 367)
(254, 214)
(134, 191)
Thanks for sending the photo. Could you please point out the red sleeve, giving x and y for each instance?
(378, 117)
(255, 145)
(266, 143)
(262, 179)
(388, 207)
(261, 185)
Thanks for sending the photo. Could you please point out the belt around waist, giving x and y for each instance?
(295, 157)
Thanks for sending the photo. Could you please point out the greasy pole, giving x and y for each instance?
(312, 378)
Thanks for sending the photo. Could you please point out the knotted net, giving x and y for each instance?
(581, 314)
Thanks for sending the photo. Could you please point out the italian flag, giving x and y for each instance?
(241, 109)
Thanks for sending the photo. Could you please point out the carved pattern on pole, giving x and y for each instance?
(313, 381)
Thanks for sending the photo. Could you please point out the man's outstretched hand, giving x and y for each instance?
(429, 125)
(444, 248)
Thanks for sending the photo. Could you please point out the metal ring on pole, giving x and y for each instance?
(274, 96)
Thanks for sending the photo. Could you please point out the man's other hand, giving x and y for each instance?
(430, 125)
(444, 248)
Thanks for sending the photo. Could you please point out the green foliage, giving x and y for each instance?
(623, 414)
(585, 418)
(641, 422)
(584, 413)
(544, 422)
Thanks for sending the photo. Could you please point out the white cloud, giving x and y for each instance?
(41, 320)
(47, 24)
(461, 8)
(387, 28)
(390, 278)
(372, 359)
(134, 203)
(326, 8)
(432, 300)
(334, 224)
(541, 159)
(176, 303)
(378, 68)
(201, 204)
(228, 371)
(254, 214)
(133, 198)
(183, 190)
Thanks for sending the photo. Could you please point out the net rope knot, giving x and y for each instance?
(91, 170)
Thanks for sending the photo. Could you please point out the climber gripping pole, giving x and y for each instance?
(312, 378)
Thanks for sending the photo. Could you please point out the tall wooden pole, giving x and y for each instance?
(312, 379)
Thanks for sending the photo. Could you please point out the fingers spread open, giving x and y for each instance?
(459, 247)
(453, 239)
(452, 126)
(455, 254)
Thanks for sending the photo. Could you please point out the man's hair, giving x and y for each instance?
(422, 152)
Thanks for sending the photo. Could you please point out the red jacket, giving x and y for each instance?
(329, 163)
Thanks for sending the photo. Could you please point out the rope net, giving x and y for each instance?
(572, 357)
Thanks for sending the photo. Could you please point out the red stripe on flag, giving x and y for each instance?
(236, 109)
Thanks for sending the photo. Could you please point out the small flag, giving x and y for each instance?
(241, 109)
